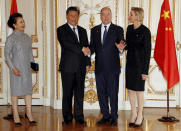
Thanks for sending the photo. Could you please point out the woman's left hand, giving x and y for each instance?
(144, 77)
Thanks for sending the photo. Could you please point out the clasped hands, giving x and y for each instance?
(86, 51)
(121, 45)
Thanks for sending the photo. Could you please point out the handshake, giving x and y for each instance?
(86, 51)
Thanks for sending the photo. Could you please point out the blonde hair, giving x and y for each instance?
(138, 12)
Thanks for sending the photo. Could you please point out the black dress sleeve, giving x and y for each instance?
(127, 37)
(147, 51)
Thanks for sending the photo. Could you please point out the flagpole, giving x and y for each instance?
(168, 118)
(167, 103)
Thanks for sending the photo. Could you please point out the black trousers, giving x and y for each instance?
(107, 89)
(73, 84)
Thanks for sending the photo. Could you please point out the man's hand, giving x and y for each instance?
(121, 45)
(144, 77)
(86, 51)
(16, 71)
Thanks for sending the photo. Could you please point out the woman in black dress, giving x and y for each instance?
(138, 40)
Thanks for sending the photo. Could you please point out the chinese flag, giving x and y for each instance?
(165, 53)
(14, 8)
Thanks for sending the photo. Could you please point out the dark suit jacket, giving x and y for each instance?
(106, 56)
(72, 57)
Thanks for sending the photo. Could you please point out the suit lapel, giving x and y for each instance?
(109, 33)
(80, 34)
(70, 31)
(98, 32)
(111, 29)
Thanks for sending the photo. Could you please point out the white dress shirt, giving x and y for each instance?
(102, 33)
(76, 30)
(102, 30)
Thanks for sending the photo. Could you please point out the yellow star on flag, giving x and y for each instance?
(165, 14)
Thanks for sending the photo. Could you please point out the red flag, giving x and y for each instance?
(14, 8)
(165, 53)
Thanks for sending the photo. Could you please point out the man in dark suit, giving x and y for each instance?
(104, 39)
(73, 64)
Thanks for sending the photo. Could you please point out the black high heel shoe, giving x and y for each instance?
(132, 124)
(16, 123)
(31, 122)
(138, 125)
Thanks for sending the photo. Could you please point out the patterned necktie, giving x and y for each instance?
(104, 35)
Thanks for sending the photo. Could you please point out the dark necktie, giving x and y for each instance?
(105, 34)
(75, 32)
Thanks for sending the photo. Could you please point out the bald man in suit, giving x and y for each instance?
(104, 43)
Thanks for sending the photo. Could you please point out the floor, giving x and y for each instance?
(50, 120)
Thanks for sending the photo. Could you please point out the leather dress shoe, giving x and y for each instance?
(66, 122)
(103, 121)
(81, 121)
(114, 122)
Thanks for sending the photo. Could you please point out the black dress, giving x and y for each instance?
(138, 56)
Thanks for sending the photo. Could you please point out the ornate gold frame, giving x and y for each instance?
(126, 24)
(160, 99)
(36, 85)
(36, 49)
(126, 13)
(116, 11)
(178, 46)
(171, 92)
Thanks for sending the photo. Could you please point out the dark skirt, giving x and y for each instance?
(134, 80)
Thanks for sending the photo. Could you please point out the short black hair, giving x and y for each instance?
(73, 8)
(13, 19)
